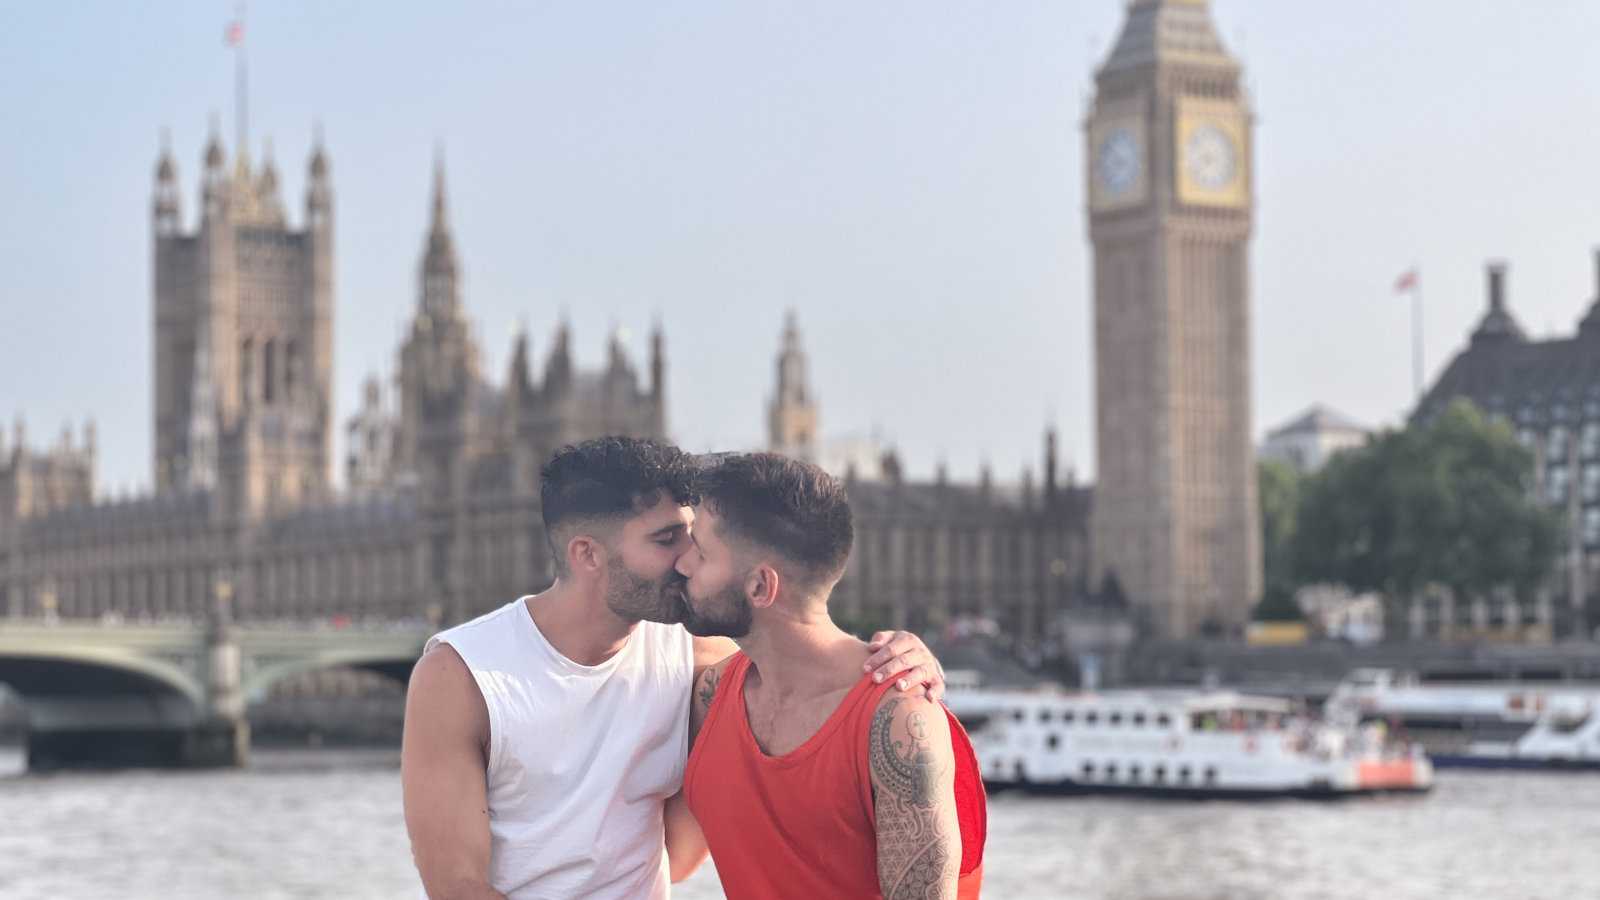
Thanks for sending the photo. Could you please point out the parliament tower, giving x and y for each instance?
(243, 328)
(1170, 207)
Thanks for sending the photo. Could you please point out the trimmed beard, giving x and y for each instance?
(633, 598)
(726, 613)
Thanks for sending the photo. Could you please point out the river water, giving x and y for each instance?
(327, 824)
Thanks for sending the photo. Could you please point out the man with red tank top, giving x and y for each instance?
(808, 778)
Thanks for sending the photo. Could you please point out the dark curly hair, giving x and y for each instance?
(784, 505)
(609, 478)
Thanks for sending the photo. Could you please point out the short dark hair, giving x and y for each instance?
(791, 507)
(609, 477)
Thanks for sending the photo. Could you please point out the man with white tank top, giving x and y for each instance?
(545, 742)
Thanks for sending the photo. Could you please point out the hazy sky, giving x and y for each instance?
(906, 175)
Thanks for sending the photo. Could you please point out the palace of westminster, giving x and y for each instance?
(438, 515)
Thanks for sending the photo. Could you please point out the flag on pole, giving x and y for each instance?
(235, 33)
(1407, 282)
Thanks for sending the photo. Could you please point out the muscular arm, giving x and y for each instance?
(913, 787)
(686, 843)
(443, 764)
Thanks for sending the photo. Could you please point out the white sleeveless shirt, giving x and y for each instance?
(581, 758)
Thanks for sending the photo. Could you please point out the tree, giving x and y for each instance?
(1447, 503)
(1279, 490)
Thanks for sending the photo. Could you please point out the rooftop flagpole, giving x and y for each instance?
(235, 39)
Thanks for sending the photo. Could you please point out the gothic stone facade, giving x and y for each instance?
(440, 517)
(1549, 391)
(1169, 180)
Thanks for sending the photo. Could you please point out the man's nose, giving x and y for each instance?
(682, 565)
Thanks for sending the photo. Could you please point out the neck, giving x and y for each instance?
(785, 647)
(575, 619)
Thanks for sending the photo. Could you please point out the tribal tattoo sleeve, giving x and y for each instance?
(913, 777)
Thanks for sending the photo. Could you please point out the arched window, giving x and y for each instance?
(269, 370)
(291, 368)
(247, 369)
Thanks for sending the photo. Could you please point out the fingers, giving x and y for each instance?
(879, 638)
(892, 644)
(894, 664)
(912, 679)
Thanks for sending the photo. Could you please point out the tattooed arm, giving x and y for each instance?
(913, 788)
(686, 843)
(711, 656)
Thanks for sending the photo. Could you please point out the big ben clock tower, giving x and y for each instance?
(1169, 171)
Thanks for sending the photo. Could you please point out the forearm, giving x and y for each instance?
(686, 843)
(462, 889)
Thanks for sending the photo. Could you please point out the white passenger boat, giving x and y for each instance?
(1479, 724)
(1178, 742)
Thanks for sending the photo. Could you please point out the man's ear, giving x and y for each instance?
(761, 587)
(585, 555)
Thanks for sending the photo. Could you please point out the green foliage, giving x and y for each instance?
(1448, 503)
(1278, 605)
(1278, 485)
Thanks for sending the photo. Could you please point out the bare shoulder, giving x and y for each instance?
(706, 680)
(443, 691)
(908, 747)
(711, 650)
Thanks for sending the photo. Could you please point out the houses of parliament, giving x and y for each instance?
(438, 515)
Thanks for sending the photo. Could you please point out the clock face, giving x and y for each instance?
(1117, 162)
(1209, 158)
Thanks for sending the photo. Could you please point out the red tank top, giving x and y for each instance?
(802, 825)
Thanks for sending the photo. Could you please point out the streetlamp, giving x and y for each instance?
(48, 600)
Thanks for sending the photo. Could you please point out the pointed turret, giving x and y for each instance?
(658, 363)
(792, 416)
(166, 205)
(1050, 467)
(439, 295)
(214, 181)
(265, 205)
(1498, 324)
(1590, 327)
(518, 379)
(558, 367)
(1162, 32)
(319, 189)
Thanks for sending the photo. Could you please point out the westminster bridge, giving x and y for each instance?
(105, 693)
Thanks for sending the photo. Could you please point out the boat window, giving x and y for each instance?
(1163, 720)
(1091, 717)
(1111, 770)
(1053, 742)
(1134, 772)
(1138, 720)
(1569, 723)
(1017, 715)
(1183, 773)
(1088, 770)
(1046, 715)
(1160, 773)
(1115, 718)
(1067, 716)
(1211, 774)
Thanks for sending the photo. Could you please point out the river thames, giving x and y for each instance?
(327, 824)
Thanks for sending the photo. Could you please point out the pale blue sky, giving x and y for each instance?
(907, 175)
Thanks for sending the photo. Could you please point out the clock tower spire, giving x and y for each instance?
(1169, 172)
